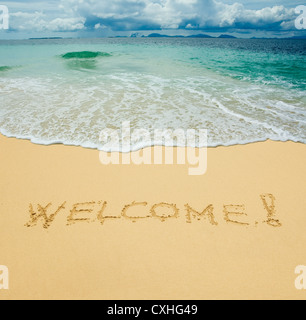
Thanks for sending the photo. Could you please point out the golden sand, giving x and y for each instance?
(72, 228)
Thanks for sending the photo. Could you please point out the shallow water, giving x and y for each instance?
(67, 91)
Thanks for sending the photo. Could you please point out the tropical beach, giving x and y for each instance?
(152, 150)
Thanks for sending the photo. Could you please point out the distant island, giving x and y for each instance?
(48, 38)
(222, 36)
(226, 36)
(203, 36)
(194, 36)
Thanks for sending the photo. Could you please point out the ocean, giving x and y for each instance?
(241, 91)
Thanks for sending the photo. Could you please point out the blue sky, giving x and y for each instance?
(98, 18)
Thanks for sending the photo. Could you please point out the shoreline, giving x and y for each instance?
(76, 229)
(7, 136)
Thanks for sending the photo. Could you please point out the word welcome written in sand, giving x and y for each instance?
(98, 211)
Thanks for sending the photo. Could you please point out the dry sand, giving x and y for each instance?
(124, 258)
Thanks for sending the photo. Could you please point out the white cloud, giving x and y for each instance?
(66, 24)
(38, 21)
(72, 15)
(99, 26)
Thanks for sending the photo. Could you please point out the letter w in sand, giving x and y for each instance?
(42, 214)
(4, 17)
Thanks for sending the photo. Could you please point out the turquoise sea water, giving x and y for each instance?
(241, 91)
